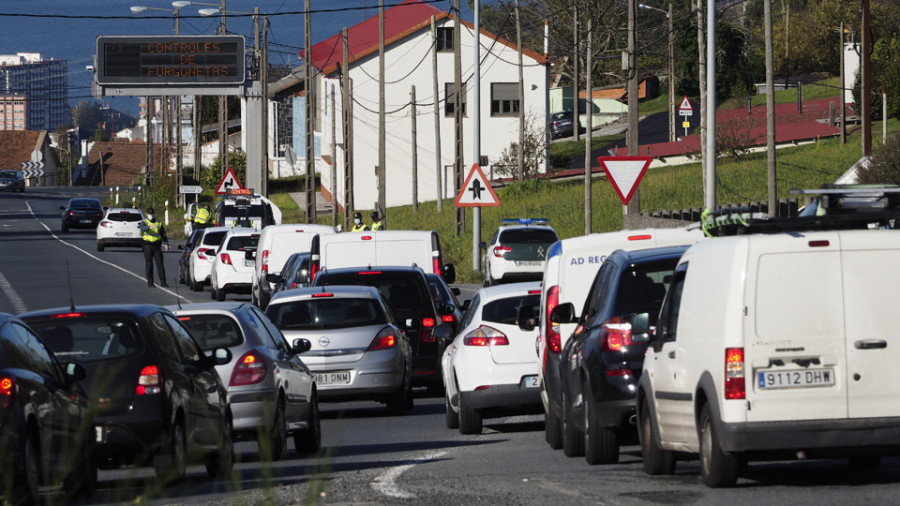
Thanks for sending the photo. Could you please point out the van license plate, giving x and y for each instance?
(531, 382)
(796, 379)
(333, 378)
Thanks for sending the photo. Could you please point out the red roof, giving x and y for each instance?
(400, 21)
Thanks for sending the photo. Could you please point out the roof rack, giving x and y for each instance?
(851, 198)
(525, 221)
(740, 221)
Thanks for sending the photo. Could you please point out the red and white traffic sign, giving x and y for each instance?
(685, 109)
(476, 191)
(229, 182)
(625, 173)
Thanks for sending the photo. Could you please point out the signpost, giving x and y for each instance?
(476, 191)
(625, 173)
(190, 189)
(686, 110)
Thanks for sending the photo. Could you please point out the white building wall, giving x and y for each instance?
(407, 63)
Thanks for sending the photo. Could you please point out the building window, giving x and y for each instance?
(504, 99)
(449, 110)
(445, 39)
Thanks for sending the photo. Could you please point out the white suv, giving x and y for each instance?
(202, 257)
(119, 227)
(232, 269)
(778, 343)
(517, 251)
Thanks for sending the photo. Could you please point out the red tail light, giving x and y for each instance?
(551, 330)
(615, 335)
(734, 373)
(428, 322)
(67, 315)
(205, 253)
(642, 237)
(447, 318)
(485, 336)
(384, 340)
(225, 258)
(106, 224)
(250, 369)
(436, 266)
(148, 382)
(265, 260)
(499, 251)
(322, 294)
(7, 392)
(293, 284)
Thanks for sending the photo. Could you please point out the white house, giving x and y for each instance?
(408, 63)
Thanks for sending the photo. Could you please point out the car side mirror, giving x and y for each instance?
(448, 272)
(563, 313)
(62, 208)
(300, 345)
(640, 328)
(274, 278)
(482, 245)
(182, 246)
(527, 319)
(442, 332)
(221, 356)
(455, 291)
(465, 305)
(75, 372)
(445, 309)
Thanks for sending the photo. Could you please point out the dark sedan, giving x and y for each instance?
(46, 433)
(81, 213)
(156, 395)
(12, 180)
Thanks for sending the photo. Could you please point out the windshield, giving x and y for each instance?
(213, 331)
(326, 313)
(7, 173)
(124, 216)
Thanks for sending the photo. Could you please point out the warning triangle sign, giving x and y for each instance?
(685, 105)
(625, 173)
(229, 182)
(476, 191)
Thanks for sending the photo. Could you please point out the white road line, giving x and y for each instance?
(126, 271)
(385, 482)
(17, 302)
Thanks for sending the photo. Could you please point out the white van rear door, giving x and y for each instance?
(404, 253)
(351, 249)
(871, 282)
(794, 353)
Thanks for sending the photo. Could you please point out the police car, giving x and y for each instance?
(517, 251)
(243, 208)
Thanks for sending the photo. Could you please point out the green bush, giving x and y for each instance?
(884, 165)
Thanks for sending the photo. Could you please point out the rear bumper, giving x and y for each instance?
(810, 435)
(124, 443)
(136, 242)
(504, 396)
(251, 411)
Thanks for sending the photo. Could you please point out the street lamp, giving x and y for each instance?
(671, 67)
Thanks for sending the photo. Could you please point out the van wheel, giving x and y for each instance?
(717, 468)
(451, 418)
(553, 429)
(656, 460)
(601, 445)
(573, 439)
(469, 419)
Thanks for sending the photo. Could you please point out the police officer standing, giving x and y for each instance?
(201, 219)
(377, 221)
(154, 235)
(358, 225)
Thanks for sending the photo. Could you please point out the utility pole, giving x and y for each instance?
(149, 138)
(770, 108)
(701, 59)
(310, 111)
(198, 132)
(576, 130)
(380, 171)
(347, 133)
(415, 151)
(589, 116)
(634, 138)
(672, 135)
(710, 193)
(457, 114)
(334, 207)
(865, 95)
(843, 101)
(179, 150)
(437, 119)
(264, 77)
(223, 108)
(476, 135)
(520, 174)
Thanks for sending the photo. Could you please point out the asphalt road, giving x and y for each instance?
(368, 457)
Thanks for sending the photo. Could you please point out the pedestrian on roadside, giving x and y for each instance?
(377, 221)
(155, 240)
(358, 225)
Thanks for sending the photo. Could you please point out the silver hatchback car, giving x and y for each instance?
(359, 351)
(271, 392)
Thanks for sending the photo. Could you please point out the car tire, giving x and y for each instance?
(398, 402)
(717, 468)
(277, 437)
(451, 418)
(170, 466)
(65, 229)
(310, 440)
(26, 488)
(221, 463)
(656, 460)
(573, 439)
(195, 286)
(181, 276)
(82, 482)
(553, 430)
(864, 461)
(601, 445)
(435, 389)
(99, 246)
(220, 294)
(469, 419)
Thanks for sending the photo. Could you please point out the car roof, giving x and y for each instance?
(520, 226)
(123, 210)
(338, 290)
(373, 268)
(648, 255)
(208, 307)
(508, 289)
(135, 309)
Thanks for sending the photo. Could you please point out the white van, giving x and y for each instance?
(239, 208)
(569, 273)
(276, 244)
(400, 248)
(775, 345)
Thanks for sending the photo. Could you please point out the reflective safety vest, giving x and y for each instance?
(202, 216)
(378, 225)
(359, 228)
(152, 233)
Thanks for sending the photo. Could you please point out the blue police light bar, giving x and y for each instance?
(525, 221)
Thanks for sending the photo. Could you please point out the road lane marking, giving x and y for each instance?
(126, 271)
(386, 481)
(12, 295)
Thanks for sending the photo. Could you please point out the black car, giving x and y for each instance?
(294, 273)
(81, 213)
(44, 419)
(562, 124)
(407, 293)
(184, 261)
(12, 180)
(603, 360)
(156, 396)
(445, 301)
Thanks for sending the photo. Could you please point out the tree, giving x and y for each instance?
(884, 165)
(508, 163)
(87, 116)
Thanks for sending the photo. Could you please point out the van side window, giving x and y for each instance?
(668, 317)
(599, 294)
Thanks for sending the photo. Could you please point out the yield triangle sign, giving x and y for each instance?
(625, 173)
(229, 182)
(476, 191)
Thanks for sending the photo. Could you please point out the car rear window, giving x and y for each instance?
(506, 310)
(213, 331)
(213, 238)
(243, 242)
(643, 287)
(90, 338)
(405, 292)
(528, 236)
(241, 210)
(124, 216)
(326, 313)
(87, 203)
(7, 173)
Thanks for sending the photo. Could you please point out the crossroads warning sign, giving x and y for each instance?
(476, 191)
(625, 173)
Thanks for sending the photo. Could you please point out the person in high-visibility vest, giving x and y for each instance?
(377, 221)
(201, 219)
(358, 225)
(154, 235)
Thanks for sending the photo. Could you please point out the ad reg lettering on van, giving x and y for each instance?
(595, 260)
